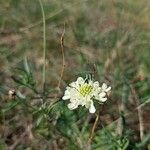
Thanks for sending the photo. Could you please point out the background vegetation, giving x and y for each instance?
(109, 39)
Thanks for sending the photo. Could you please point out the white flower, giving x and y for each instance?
(85, 92)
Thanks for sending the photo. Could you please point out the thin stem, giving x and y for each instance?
(140, 113)
(93, 129)
(44, 45)
(63, 56)
(41, 21)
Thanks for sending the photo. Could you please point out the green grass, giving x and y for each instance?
(109, 39)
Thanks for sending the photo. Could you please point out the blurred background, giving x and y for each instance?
(109, 39)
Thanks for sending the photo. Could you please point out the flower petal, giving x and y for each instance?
(67, 92)
(104, 86)
(102, 94)
(72, 106)
(103, 99)
(65, 97)
(96, 84)
(108, 89)
(73, 84)
(80, 80)
(92, 108)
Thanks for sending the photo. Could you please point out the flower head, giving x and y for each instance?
(84, 92)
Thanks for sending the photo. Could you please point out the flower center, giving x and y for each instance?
(85, 89)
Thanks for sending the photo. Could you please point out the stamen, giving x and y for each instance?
(85, 89)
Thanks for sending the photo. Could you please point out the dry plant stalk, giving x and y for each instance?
(140, 114)
(63, 61)
(93, 128)
(63, 57)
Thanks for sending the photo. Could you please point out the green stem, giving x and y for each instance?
(44, 45)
